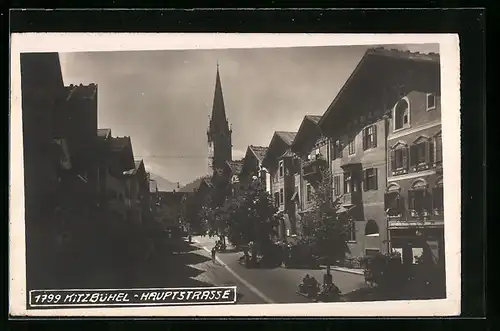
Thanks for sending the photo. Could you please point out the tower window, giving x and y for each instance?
(401, 114)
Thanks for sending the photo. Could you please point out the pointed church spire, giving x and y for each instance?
(218, 121)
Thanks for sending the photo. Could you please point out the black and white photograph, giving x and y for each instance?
(216, 176)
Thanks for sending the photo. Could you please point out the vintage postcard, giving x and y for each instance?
(235, 175)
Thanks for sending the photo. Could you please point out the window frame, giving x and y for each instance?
(336, 185)
(282, 196)
(370, 174)
(427, 95)
(308, 192)
(352, 232)
(352, 146)
(406, 112)
(370, 138)
(281, 168)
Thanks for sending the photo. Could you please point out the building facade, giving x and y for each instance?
(283, 166)
(414, 197)
(252, 166)
(363, 141)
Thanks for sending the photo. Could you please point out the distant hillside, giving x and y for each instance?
(192, 186)
(163, 184)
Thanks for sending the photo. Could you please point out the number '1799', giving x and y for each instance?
(47, 298)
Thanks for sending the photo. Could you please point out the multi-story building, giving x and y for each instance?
(414, 198)
(313, 150)
(252, 166)
(283, 166)
(360, 132)
(59, 132)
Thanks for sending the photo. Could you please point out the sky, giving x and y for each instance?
(162, 99)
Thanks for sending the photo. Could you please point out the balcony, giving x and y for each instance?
(415, 219)
(312, 168)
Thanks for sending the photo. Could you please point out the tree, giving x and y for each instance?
(251, 217)
(329, 229)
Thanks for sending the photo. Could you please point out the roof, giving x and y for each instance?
(235, 166)
(313, 118)
(81, 91)
(288, 153)
(104, 133)
(118, 143)
(287, 137)
(406, 55)
(303, 129)
(258, 151)
(431, 58)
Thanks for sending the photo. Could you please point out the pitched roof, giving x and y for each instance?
(81, 91)
(104, 133)
(305, 131)
(407, 55)
(258, 151)
(431, 58)
(235, 166)
(313, 118)
(287, 137)
(119, 143)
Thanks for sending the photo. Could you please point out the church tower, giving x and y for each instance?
(219, 131)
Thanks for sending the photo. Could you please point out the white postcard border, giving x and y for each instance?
(83, 42)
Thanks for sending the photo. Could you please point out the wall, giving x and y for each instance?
(371, 204)
(423, 123)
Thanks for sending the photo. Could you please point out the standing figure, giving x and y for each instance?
(213, 254)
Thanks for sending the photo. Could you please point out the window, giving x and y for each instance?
(438, 150)
(281, 168)
(352, 146)
(431, 101)
(308, 192)
(282, 196)
(370, 137)
(401, 114)
(337, 149)
(371, 228)
(421, 155)
(371, 180)
(352, 231)
(393, 203)
(277, 199)
(419, 201)
(336, 185)
(438, 203)
(349, 184)
(399, 160)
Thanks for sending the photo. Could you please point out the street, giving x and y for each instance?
(276, 285)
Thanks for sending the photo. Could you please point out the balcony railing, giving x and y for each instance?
(312, 168)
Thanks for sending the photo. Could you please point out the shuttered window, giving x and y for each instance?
(370, 180)
(370, 137)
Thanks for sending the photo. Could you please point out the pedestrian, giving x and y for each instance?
(213, 254)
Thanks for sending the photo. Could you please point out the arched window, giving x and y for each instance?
(393, 201)
(420, 204)
(371, 229)
(402, 114)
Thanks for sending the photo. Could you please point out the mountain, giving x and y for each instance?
(163, 184)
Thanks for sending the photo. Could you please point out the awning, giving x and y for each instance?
(294, 196)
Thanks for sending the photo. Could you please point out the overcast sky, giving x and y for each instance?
(162, 99)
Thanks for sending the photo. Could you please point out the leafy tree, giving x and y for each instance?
(329, 229)
(252, 217)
